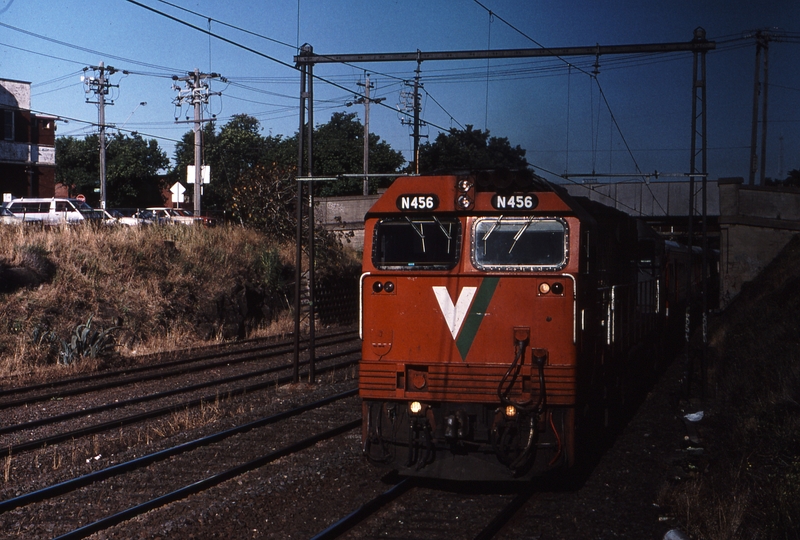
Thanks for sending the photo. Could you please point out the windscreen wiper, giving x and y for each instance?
(445, 232)
(519, 233)
(418, 231)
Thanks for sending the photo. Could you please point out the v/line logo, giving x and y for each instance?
(467, 311)
(454, 314)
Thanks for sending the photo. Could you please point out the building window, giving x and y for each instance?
(8, 125)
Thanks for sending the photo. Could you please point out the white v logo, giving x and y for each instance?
(454, 315)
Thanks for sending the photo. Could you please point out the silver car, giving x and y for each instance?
(7, 217)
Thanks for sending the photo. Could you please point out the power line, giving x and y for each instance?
(83, 49)
(211, 19)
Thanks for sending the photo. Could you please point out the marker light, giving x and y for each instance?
(388, 287)
(415, 407)
(558, 288)
(464, 202)
(544, 288)
(511, 411)
(464, 185)
(377, 287)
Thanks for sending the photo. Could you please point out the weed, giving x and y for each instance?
(7, 468)
(86, 342)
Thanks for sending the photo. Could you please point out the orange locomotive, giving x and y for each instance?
(497, 313)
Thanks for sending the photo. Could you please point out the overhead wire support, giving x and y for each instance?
(419, 56)
(304, 149)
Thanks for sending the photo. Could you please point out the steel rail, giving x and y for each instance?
(143, 378)
(504, 516)
(206, 352)
(367, 509)
(207, 483)
(128, 466)
(162, 411)
(204, 355)
(152, 397)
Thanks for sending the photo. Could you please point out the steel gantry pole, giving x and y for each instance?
(304, 142)
(312, 309)
(298, 263)
(699, 112)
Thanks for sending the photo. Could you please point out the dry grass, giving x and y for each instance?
(160, 284)
(752, 486)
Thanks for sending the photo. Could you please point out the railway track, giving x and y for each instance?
(27, 426)
(494, 514)
(111, 476)
(181, 483)
(161, 365)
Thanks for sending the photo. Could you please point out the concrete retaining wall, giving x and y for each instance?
(755, 224)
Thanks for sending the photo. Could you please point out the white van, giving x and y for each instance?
(53, 211)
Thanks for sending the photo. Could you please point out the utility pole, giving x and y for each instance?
(366, 101)
(196, 93)
(99, 85)
(762, 43)
(416, 116)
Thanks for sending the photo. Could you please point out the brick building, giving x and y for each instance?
(27, 144)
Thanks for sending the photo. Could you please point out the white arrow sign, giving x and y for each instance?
(177, 190)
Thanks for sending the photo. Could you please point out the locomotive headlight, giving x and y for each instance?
(544, 288)
(510, 411)
(464, 185)
(415, 407)
(388, 287)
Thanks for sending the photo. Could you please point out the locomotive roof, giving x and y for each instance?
(482, 187)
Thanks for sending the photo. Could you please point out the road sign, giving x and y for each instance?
(177, 190)
(205, 172)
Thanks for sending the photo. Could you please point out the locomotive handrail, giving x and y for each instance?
(361, 305)
(574, 307)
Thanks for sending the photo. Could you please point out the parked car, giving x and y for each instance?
(207, 221)
(132, 217)
(54, 210)
(7, 217)
(170, 216)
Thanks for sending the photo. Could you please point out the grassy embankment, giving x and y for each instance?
(748, 485)
(164, 287)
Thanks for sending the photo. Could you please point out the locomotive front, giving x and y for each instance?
(470, 323)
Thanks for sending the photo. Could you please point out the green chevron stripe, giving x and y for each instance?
(475, 316)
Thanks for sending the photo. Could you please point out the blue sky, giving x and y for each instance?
(554, 111)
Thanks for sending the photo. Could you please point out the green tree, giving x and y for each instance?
(78, 165)
(339, 149)
(240, 158)
(133, 167)
(265, 198)
(469, 149)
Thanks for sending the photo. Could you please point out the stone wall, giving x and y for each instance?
(755, 224)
